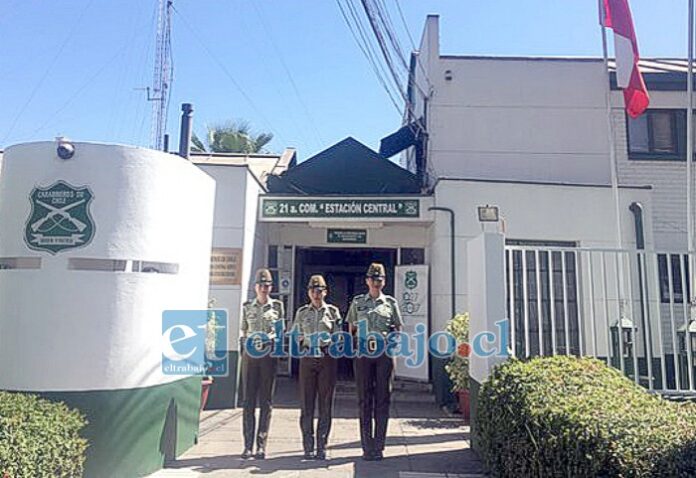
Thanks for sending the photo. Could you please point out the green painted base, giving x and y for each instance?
(474, 388)
(134, 432)
(442, 385)
(224, 390)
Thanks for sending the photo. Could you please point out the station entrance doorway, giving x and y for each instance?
(344, 270)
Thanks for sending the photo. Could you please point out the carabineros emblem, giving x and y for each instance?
(411, 280)
(60, 218)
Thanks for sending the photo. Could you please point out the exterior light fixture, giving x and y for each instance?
(687, 332)
(625, 330)
(488, 213)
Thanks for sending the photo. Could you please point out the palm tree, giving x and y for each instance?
(231, 137)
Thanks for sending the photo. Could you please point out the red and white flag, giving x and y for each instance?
(616, 15)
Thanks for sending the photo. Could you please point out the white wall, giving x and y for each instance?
(235, 227)
(519, 119)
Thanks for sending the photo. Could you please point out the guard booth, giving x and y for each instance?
(92, 251)
(336, 213)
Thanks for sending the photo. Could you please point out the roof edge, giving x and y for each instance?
(646, 187)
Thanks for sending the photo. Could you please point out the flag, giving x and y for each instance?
(617, 16)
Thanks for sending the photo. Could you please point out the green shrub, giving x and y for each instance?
(564, 416)
(39, 438)
(458, 366)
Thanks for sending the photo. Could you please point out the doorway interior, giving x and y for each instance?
(344, 270)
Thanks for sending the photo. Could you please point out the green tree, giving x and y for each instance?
(231, 137)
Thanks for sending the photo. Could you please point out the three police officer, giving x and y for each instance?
(260, 316)
(316, 322)
(373, 374)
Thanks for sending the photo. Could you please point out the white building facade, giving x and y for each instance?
(527, 135)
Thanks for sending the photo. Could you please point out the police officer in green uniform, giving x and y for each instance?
(373, 375)
(315, 323)
(258, 374)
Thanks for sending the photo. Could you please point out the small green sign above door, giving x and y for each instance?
(346, 236)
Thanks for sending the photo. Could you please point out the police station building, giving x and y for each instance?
(512, 145)
(517, 145)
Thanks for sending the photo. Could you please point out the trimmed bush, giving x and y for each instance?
(577, 417)
(39, 438)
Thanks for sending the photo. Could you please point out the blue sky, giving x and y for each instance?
(290, 67)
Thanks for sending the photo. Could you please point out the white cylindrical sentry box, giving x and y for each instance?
(94, 245)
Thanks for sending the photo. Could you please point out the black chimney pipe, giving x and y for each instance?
(185, 135)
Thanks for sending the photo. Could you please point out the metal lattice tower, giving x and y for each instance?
(162, 78)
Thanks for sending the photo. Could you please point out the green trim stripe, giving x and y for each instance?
(132, 432)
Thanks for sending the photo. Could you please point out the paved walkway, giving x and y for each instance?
(423, 441)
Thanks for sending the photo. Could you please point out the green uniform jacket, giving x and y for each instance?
(382, 314)
(309, 320)
(258, 317)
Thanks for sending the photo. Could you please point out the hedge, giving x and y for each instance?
(39, 438)
(577, 417)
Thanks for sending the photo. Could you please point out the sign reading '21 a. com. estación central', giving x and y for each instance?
(344, 208)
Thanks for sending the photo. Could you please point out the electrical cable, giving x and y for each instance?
(38, 85)
(227, 73)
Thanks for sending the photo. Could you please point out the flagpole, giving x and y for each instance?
(689, 129)
(690, 154)
(612, 156)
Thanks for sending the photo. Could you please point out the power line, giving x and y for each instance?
(365, 48)
(38, 85)
(227, 73)
(307, 113)
(383, 14)
(379, 17)
(375, 55)
(80, 89)
(415, 49)
(378, 23)
(403, 20)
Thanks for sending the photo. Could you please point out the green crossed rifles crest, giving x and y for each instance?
(60, 218)
(411, 280)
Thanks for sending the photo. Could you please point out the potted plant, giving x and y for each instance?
(210, 341)
(458, 366)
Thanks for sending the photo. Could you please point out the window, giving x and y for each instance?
(657, 134)
(676, 262)
(557, 267)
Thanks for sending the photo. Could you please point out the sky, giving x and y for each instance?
(79, 68)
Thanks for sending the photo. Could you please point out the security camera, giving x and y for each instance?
(65, 150)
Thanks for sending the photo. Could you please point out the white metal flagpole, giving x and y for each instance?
(690, 156)
(689, 129)
(612, 155)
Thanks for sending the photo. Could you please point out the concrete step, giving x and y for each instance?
(402, 391)
(397, 385)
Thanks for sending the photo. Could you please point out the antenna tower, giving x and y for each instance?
(162, 78)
